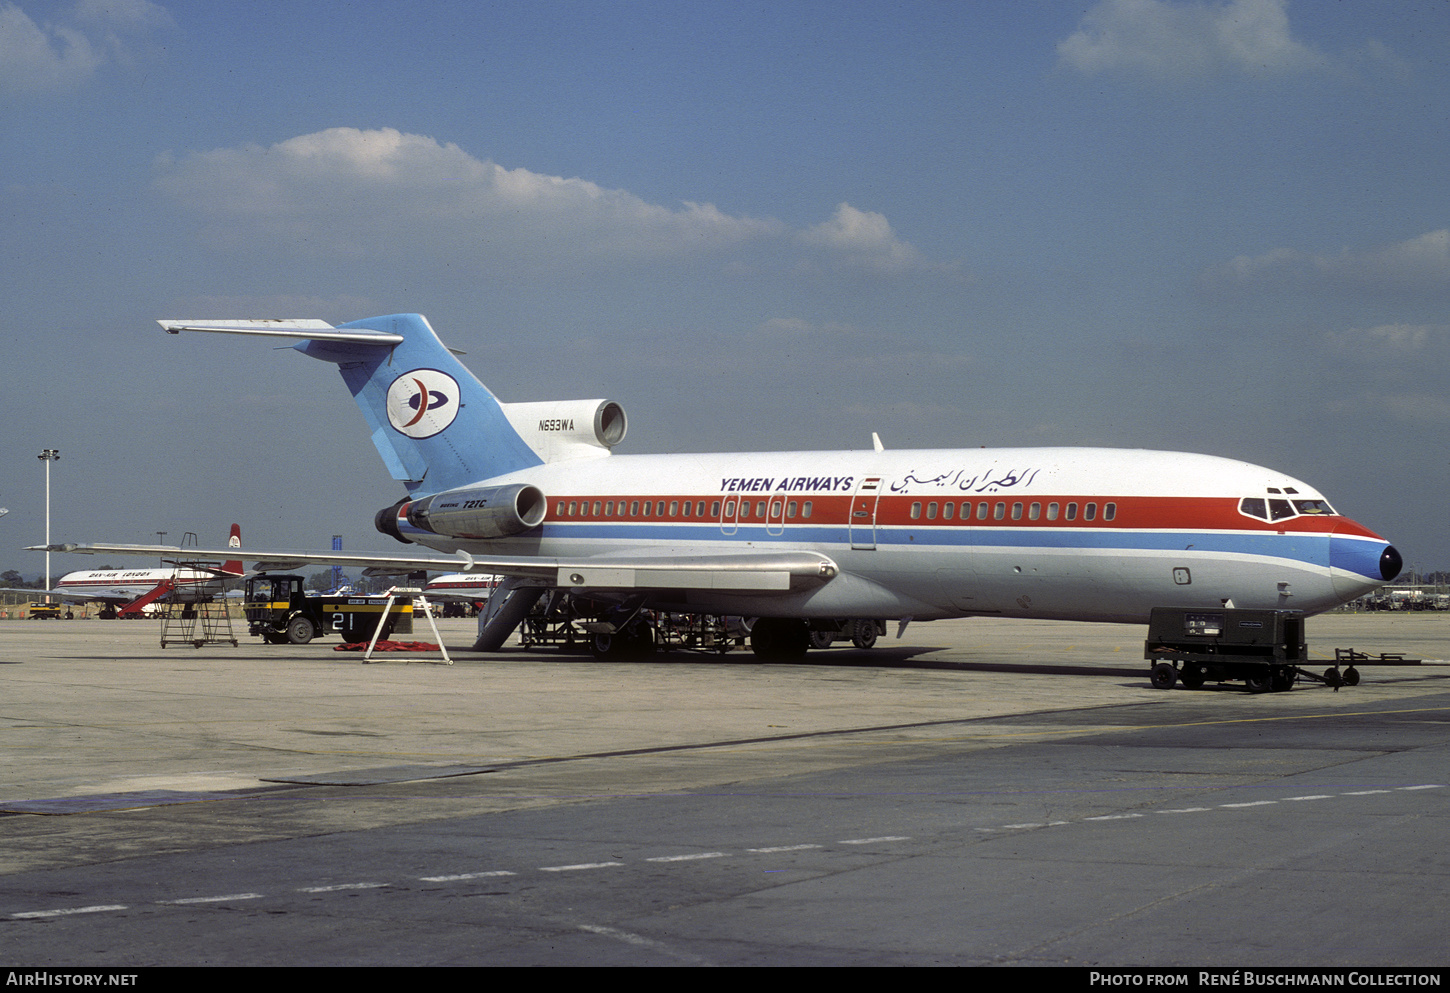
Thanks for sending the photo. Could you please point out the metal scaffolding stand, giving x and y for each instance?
(416, 593)
(204, 621)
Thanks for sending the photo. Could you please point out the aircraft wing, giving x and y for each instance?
(757, 572)
(68, 595)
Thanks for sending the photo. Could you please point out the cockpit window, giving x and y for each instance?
(1274, 509)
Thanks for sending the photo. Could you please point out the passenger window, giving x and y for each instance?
(1110, 510)
(1089, 511)
(947, 509)
(609, 508)
(596, 508)
(715, 508)
(674, 508)
(646, 508)
(686, 508)
(634, 509)
(791, 508)
(760, 508)
(915, 511)
(931, 511)
(806, 509)
(1034, 511)
(1052, 511)
(1016, 512)
(1072, 511)
(775, 508)
(999, 511)
(573, 507)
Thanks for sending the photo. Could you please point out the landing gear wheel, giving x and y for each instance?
(863, 634)
(780, 639)
(300, 631)
(634, 643)
(1164, 676)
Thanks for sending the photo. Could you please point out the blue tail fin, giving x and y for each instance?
(435, 425)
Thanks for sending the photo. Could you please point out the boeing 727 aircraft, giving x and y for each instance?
(531, 492)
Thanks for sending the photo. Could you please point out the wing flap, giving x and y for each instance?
(762, 571)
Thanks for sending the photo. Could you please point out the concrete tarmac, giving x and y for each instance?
(979, 792)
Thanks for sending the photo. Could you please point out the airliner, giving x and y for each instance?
(470, 587)
(126, 591)
(532, 492)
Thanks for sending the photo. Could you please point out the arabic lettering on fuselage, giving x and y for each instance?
(984, 482)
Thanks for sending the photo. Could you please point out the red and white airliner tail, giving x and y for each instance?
(532, 493)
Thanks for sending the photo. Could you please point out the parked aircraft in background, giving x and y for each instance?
(126, 591)
(472, 587)
(531, 492)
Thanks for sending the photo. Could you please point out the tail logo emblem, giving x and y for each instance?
(423, 402)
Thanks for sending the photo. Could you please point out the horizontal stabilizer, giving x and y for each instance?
(300, 329)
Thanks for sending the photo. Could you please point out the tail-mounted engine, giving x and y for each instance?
(467, 512)
(568, 429)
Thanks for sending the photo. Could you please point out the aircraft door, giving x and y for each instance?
(729, 515)
(775, 515)
(862, 524)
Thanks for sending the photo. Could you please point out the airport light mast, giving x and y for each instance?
(48, 456)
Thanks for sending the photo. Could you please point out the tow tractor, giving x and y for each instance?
(280, 611)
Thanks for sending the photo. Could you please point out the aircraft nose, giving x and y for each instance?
(1360, 564)
(1390, 563)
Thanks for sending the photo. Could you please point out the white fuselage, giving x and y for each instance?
(1083, 534)
(122, 586)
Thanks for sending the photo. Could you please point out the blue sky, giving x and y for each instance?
(1213, 227)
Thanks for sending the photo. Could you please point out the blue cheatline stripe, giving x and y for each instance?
(1358, 555)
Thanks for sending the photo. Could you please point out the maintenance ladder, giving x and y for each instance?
(195, 623)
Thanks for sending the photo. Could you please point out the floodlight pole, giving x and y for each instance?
(48, 456)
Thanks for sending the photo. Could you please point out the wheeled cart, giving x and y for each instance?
(1264, 648)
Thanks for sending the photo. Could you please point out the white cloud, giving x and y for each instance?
(1165, 40)
(1392, 341)
(1420, 264)
(375, 192)
(863, 237)
(37, 58)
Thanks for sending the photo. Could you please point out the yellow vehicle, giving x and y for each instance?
(280, 611)
(48, 610)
